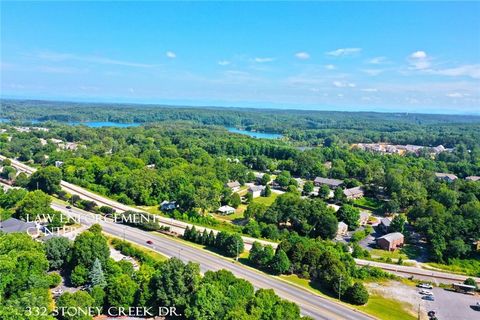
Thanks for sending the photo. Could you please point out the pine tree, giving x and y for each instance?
(187, 233)
(211, 239)
(204, 239)
(97, 278)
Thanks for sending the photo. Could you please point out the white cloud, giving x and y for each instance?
(171, 54)
(457, 95)
(377, 60)
(369, 90)
(302, 55)
(418, 55)
(60, 70)
(330, 67)
(343, 84)
(472, 71)
(419, 60)
(224, 62)
(373, 72)
(343, 52)
(55, 56)
(263, 60)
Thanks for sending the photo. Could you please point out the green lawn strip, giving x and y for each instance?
(387, 309)
(469, 267)
(221, 226)
(266, 200)
(151, 253)
(367, 203)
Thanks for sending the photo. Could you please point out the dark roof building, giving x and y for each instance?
(353, 193)
(391, 241)
(449, 177)
(331, 183)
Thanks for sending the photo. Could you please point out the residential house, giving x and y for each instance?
(168, 205)
(391, 241)
(449, 177)
(354, 193)
(233, 185)
(226, 210)
(385, 224)
(16, 225)
(331, 183)
(258, 176)
(58, 163)
(342, 229)
(364, 216)
(256, 191)
(473, 178)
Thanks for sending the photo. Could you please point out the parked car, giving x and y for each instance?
(426, 292)
(68, 207)
(429, 298)
(149, 241)
(425, 286)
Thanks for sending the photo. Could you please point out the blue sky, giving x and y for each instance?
(410, 56)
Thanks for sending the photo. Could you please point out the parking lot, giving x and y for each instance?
(450, 305)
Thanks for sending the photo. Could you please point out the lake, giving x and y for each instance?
(254, 134)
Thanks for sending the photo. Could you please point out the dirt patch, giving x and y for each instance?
(403, 293)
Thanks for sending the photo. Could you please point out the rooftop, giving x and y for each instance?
(332, 182)
(392, 236)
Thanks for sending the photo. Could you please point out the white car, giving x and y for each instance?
(425, 286)
(426, 292)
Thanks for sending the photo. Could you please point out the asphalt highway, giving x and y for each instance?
(310, 304)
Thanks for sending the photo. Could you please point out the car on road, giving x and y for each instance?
(149, 241)
(429, 298)
(68, 207)
(425, 286)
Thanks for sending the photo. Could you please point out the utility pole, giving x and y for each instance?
(236, 258)
(339, 287)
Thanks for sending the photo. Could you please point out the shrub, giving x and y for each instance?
(357, 294)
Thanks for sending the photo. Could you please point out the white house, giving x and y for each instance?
(233, 185)
(226, 210)
(256, 191)
(342, 229)
(168, 205)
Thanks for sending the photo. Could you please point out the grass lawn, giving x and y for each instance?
(267, 200)
(407, 252)
(470, 267)
(152, 254)
(368, 203)
(386, 309)
(229, 217)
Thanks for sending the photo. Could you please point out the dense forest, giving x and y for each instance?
(30, 268)
(303, 127)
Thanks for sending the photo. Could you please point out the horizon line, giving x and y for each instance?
(287, 107)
